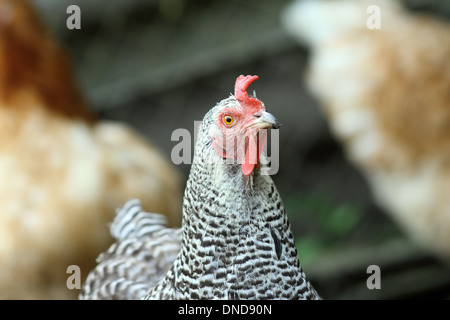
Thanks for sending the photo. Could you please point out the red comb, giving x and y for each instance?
(240, 90)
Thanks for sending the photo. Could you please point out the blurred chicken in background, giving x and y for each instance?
(386, 94)
(62, 173)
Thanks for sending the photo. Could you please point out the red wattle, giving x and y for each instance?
(251, 155)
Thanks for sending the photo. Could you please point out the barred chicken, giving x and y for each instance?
(235, 242)
(386, 95)
(62, 172)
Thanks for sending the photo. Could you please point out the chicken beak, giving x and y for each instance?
(257, 140)
(266, 121)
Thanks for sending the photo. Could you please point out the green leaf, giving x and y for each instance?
(309, 247)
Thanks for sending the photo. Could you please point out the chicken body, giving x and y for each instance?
(386, 95)
(235, 242)
(62, 172)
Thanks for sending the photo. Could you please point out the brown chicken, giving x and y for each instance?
(386, 94)
(62, 173)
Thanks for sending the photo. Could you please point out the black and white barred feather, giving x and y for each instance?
(142, 254)
(235, 243)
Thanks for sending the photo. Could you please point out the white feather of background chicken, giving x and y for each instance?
(386, 95)
(62, 173)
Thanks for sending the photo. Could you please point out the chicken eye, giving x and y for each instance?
(228, 119)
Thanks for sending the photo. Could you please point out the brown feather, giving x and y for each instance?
(31, 61)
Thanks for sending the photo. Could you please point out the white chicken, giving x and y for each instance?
(385, 90)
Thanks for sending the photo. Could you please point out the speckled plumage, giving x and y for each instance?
(144, 251)
(236, 241)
